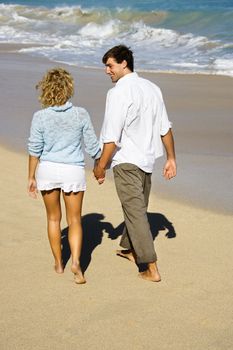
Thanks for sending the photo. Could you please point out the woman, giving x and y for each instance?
(56, 162)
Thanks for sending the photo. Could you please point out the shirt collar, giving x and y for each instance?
(126, 77)
(62, 108)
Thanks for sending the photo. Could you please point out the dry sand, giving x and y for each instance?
(190, 309)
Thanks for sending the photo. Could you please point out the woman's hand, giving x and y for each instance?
(32, 188)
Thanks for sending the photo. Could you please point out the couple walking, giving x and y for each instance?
(134, 131)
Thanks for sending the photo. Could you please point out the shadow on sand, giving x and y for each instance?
(94, 227)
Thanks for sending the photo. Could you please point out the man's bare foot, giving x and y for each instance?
(151, 274)
(147, 275)
(79, 279)
(58, 268)
(78, 275)
(126, 253)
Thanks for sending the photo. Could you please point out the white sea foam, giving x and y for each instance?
(97, 31)
(77, 35)
(224, 65)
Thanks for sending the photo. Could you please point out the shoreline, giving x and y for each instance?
(15, 47)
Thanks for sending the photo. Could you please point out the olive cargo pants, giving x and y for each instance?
(133, 188)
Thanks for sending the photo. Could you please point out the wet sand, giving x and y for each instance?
(199, 106)
(192, 307)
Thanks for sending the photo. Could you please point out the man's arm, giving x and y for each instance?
(169, 170)
(101, 164)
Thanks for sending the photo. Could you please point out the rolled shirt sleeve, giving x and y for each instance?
(36, 141)
(115, 116)
(165, 124)
(92, 145)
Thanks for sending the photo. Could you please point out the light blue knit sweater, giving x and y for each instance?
(57, 133)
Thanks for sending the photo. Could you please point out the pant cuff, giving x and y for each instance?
(147, 260)
(125, 245)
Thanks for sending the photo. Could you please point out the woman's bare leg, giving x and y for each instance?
(73, 204)
(53, 210)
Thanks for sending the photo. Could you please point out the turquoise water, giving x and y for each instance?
(134, 4)
(176, 36)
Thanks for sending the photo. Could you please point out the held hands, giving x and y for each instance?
(32, 188)
(99, 173)
(101, 181)
(169, 170)
(101, 163)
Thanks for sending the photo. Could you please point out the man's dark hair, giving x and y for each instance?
(120, 53)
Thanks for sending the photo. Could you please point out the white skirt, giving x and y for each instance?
(69, 178)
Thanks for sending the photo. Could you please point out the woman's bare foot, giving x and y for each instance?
(78, 275)
(126, 253)
(151, 274)
(58, 267)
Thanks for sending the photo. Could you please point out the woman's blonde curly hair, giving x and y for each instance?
(57, 87)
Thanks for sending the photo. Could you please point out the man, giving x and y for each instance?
(134, 130)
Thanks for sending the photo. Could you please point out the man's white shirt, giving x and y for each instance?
(135, 119)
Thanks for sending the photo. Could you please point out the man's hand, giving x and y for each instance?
(169, 170)
(102, 163)
(32, 188)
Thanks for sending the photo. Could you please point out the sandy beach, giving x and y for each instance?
(190, 217)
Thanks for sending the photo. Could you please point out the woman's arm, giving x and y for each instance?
(92, 146)
(35, 148)
(32, 187)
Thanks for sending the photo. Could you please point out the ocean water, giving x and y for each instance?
(172, 36)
